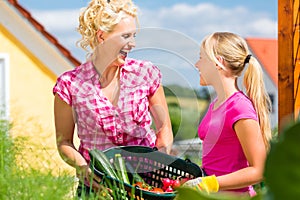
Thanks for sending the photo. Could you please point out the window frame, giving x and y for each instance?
(4, 86)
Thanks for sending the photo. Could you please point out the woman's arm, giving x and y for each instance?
(249, 135)
(64, 126)
(160, 113)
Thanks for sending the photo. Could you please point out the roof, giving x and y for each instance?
(266, 51)
(42, 30)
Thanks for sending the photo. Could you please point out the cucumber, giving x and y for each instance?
(119, 164)
(101, 163)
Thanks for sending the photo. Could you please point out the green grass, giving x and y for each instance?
(20, 180)
(19, 183)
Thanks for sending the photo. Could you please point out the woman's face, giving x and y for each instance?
(121, 40)
(207, 68)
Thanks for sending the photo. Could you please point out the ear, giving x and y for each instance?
(99, 36)
(220, 59)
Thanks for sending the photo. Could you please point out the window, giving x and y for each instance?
(4, 86)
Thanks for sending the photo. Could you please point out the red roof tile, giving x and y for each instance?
(266, 51)
(47, 35)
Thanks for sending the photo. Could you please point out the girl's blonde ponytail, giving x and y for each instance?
(255, 89)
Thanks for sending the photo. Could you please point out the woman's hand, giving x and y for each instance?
(85, 174)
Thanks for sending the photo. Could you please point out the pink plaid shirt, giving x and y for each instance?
(100, 124)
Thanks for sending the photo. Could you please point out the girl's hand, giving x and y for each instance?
(208, 184)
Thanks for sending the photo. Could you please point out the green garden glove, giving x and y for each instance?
(208, 184)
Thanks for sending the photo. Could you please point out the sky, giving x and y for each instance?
(171, 30)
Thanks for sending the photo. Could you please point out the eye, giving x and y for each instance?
(125, 36)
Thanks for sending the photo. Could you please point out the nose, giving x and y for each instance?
(131, 42)
(197, 65)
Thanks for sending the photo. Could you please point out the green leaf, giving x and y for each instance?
(184, 193)
(282, 166)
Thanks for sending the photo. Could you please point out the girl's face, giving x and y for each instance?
(121, 40)
(207, 69)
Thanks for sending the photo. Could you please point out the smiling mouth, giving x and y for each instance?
(123, 53)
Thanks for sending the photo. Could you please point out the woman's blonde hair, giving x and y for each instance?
(102, 15)
(234, 50)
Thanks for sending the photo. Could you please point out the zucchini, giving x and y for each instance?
(119, 164)
(135, 176)
(101, 163)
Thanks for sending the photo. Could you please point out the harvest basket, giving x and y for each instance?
(151, 165)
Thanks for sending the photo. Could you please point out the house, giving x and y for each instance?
(266, 51)
(30, 61)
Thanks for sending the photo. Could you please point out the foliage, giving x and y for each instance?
(179, 91)
(16, 183)
(175, 116)
(185, 114)
(282, 175)
(282, 166)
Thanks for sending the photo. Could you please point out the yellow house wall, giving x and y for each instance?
(31, 106)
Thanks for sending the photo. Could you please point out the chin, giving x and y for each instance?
(121, 60)
(203, 83)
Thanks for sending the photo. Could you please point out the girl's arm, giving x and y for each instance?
(160, 113)
(250, 137)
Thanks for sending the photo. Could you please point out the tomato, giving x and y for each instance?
(176, 184)
(169, 189)
(166, 182)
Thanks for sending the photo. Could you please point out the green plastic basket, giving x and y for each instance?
(151, 165)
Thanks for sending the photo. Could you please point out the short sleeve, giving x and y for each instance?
(62, 88)
(155, 78)
(242, 109)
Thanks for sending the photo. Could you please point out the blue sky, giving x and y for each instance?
(171, 29)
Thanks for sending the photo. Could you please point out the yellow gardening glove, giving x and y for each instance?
(208, 184)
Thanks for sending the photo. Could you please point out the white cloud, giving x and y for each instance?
(179, 30)
(57, 20)
(197, 21)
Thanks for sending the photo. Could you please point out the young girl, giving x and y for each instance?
(236, 128)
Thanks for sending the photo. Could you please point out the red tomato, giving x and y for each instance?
(176, 184)
(169, 189)
(166, 182)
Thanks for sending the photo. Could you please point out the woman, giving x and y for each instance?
(111, 97)
(236, 128)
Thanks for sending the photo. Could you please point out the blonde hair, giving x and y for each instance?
(102, 15)
(234, 50)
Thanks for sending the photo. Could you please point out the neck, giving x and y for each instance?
(226, 89)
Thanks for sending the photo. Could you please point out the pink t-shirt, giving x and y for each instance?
(100, 124)
(222, 152)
